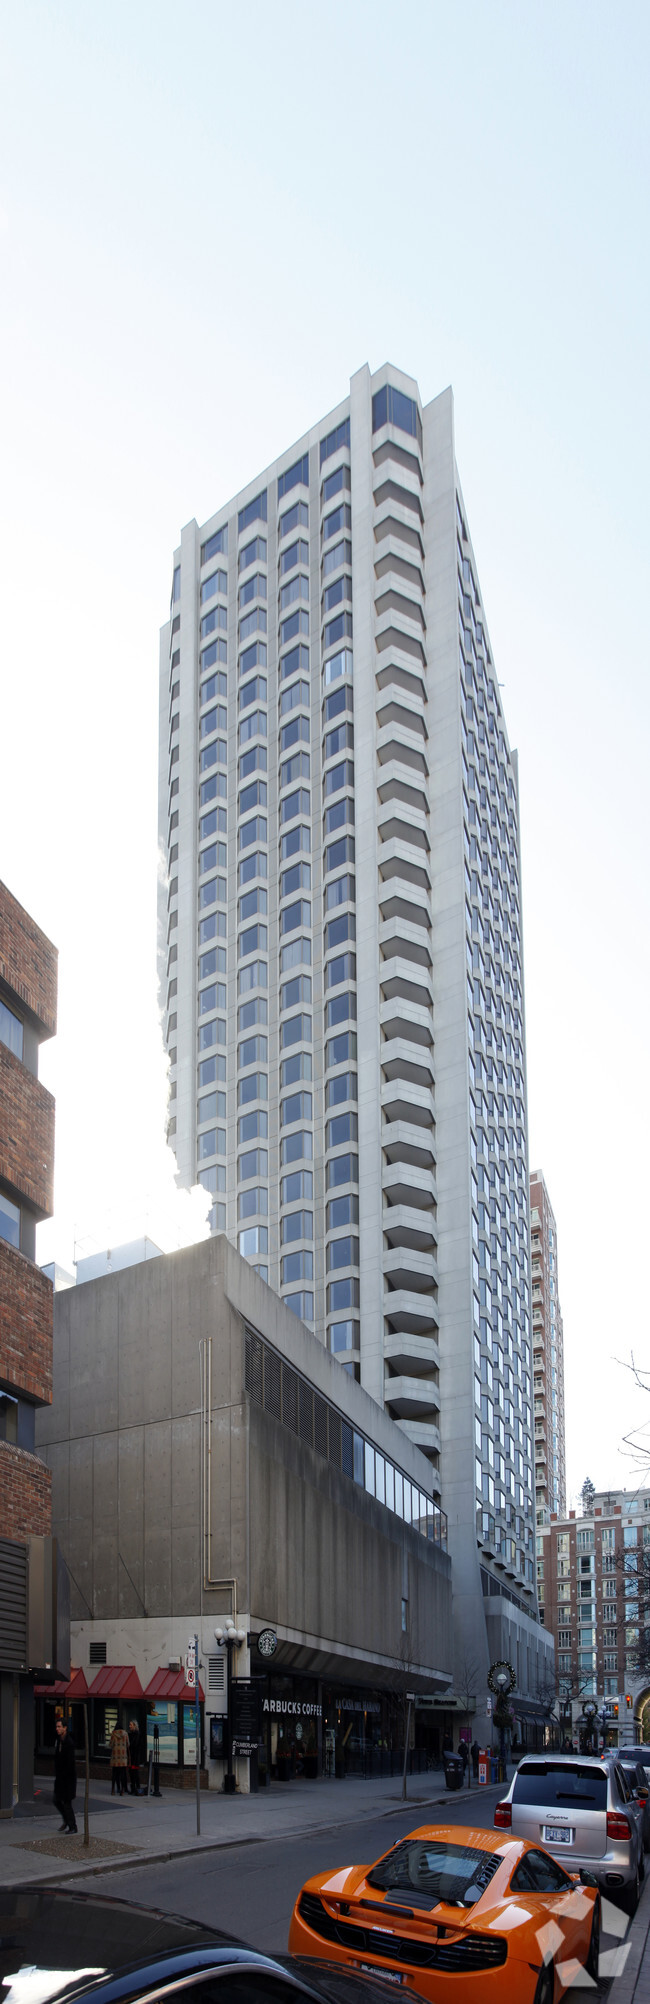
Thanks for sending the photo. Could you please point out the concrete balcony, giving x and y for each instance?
(397, 860)
(409, 1268)
(409, 1020)
(403, 746)
(412, 1398)
(404, 823)
(411, 1312)
(405, 1226)
(402, 1142)
(406, 712)
(403, 1184)
(400, 899)
(424, 1434)
(403, 1060)
(401, 1100)
(412, 1356)
(407, 979)
(400, 782)
(405, 939)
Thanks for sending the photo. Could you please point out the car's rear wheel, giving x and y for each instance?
(591, 1964)
(545, 1991)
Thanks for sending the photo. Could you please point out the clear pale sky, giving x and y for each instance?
(209, 217)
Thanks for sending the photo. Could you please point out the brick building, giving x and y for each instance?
(31, 1590)
(591, 1576)
(548, 1356)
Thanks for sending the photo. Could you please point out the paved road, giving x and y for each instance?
(250, 1888)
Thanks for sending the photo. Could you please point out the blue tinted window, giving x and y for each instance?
(338, 629)
(339, 929)
(253, 831)
(252, 657)
(296, 1030)
(343, 1169)
(216, 685)
(11, 1030)
(336, 482)
(214, 822)
(213, 858)
(334, 440)
(255, 511)
(297, 660)
(297, 990)
(337, 592)
(295, 518)
(297, 553)
(176, 585)
(342, 1294)
(217, 651)
(340, 699)
(340, 518)
(336, 816)
(290, 698)
(252, 761)
(339, 852)
(253, 553)
(216, 545)
(217, 581)
(297, 838)
(254, 691)
(390, 406)
(254, 587)
(298, 623)
(213, 789)
(255, 622)
(9, 1221)
(252, 796)
(341, 1009)
(295, 476)
(301, 1305)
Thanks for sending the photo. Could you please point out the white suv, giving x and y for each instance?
(583, 1811)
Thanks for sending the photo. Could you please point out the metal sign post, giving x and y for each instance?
(410, 1700)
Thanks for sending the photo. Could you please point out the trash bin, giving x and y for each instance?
(453, 1771)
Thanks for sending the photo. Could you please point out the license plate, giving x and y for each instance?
(553, 1835)
(387, 1975)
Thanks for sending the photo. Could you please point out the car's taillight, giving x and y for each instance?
(617, 1826)
(503, 1816)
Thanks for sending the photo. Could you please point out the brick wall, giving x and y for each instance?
(26, 1134)
(28, 961)
(25, 1494)
(26, 1297)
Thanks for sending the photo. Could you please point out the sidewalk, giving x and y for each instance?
(142, 1831)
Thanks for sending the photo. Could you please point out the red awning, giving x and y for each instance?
(169, 1684)
(116, 1681)
(75, 1689)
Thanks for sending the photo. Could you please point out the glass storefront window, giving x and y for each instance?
(189, 1735)
(164, 1715)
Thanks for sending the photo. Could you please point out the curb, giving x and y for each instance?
(637, 1939)
(192, 1850)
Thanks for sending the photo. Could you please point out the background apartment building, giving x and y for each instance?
(33, 1630)
(548, 1356)
(340, 948)
(594, 1594)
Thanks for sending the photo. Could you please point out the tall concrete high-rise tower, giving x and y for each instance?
(548, 1357)
(340, 947)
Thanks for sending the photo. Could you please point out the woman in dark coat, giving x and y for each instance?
(65, 1777)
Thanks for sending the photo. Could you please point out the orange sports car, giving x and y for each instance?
(456, 1914)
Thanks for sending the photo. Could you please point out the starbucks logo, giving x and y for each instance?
(267, 1642)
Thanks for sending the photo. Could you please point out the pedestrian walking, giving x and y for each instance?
(464, 1755)
(65, 1777)
(475, 1753)
(134, 1756)
(119, 1745)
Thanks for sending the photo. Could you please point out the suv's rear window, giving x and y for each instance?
(429, 1872)
(561, 1785)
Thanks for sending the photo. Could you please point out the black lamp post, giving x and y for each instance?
(229, 1638)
